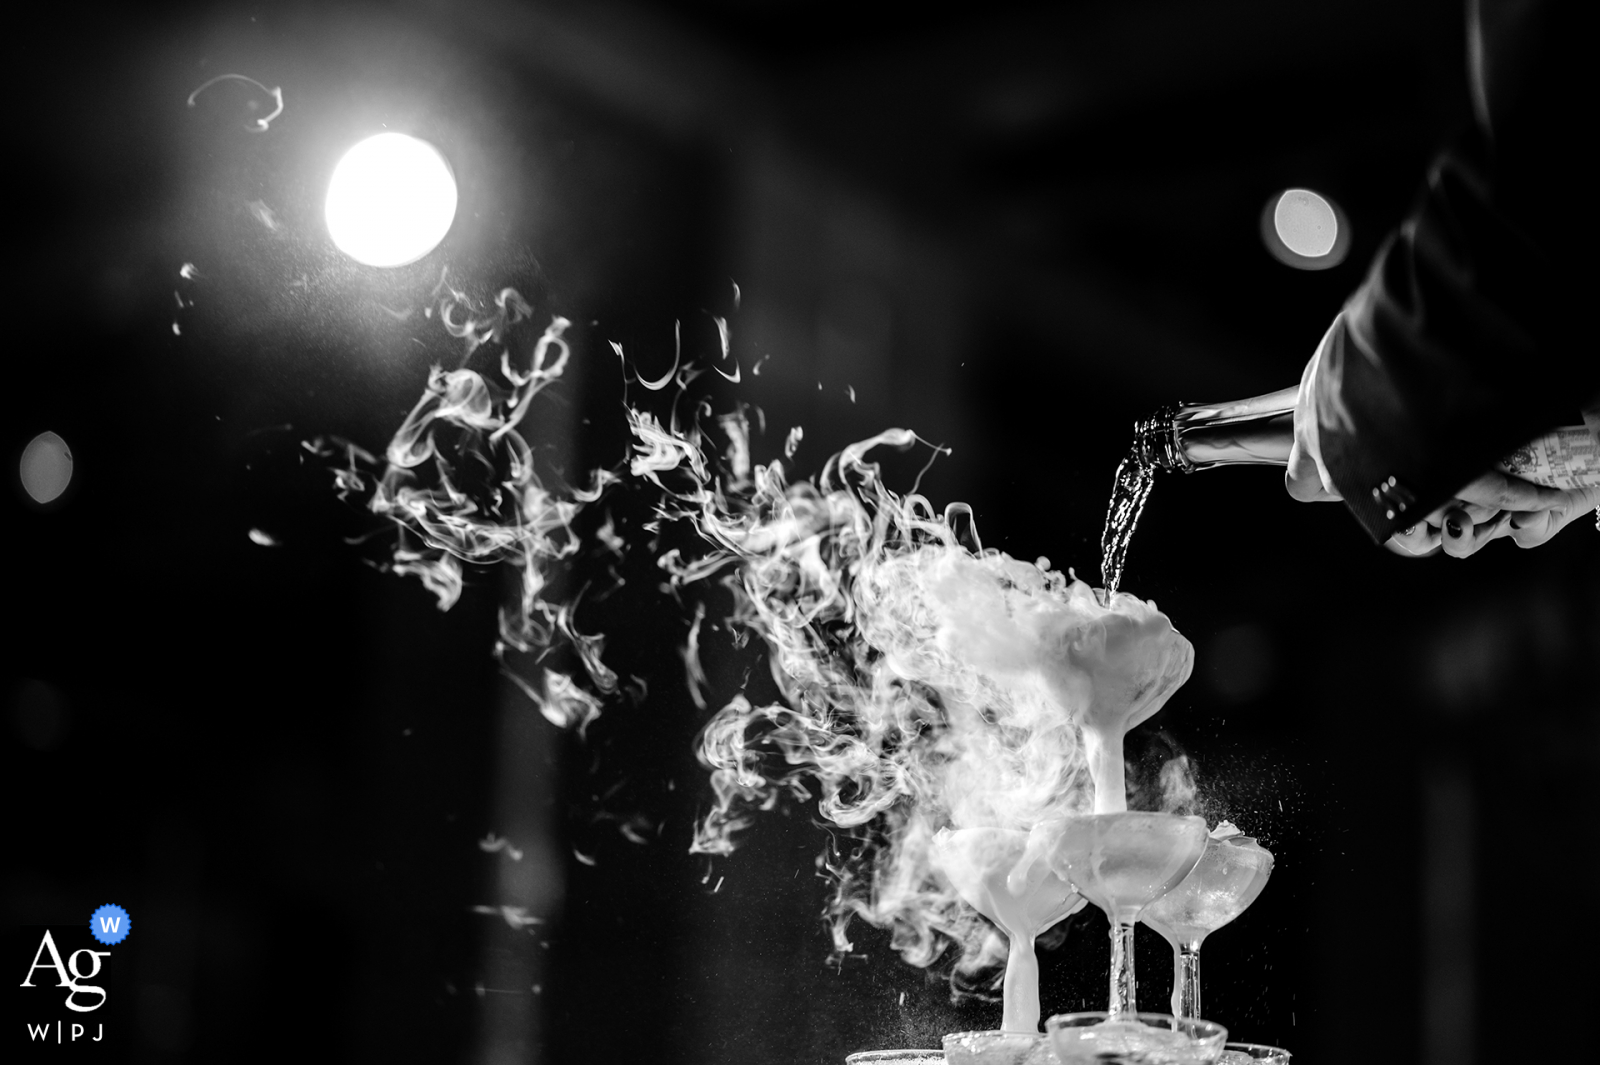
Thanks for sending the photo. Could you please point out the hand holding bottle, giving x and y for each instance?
(1495, 506)
(1492, 506)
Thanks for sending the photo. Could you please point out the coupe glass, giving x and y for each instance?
(1122, 862)
(1134, 1039)
(979, 862)
(1253, 1054)
(896, 1057)
(1226, 880)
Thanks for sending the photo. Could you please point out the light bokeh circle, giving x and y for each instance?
(46, 467)
(1306, 223)
(391, 200)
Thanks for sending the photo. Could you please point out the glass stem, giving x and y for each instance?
(1124, 993)
(1176, 1007)
(1186, 984)
(1021, 1011)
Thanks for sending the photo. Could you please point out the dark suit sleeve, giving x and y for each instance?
(1463, 341)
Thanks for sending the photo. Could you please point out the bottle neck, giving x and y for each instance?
(1196, 436)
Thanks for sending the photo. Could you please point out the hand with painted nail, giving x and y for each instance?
(1492, 507)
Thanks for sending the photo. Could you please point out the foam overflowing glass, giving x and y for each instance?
(978, 862)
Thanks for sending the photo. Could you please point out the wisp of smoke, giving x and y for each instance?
(458, 483)
(925, 682)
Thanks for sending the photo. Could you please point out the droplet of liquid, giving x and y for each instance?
(46, 467)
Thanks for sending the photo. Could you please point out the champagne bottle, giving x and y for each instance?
(1260, 431)
(1197, 436)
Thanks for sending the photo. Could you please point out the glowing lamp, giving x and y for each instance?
(391, 200)
(1305, 229)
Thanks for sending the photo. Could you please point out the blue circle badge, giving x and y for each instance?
(110, 924)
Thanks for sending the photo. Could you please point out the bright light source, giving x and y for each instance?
(1305, 229)
(391, 200)
(1305, 222)
(46, 467)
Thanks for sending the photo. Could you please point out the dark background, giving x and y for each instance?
(1012, 227)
